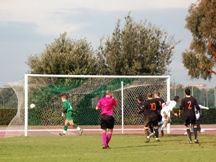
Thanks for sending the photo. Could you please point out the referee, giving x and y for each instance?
(106, 106)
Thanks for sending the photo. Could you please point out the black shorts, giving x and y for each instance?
(159, 118)
(190, 120)
(107, 122)
(150, 121)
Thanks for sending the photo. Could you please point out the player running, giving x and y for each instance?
(165, 112)
(106, 105)
(68, 114)
(188, 107)
(150, 111)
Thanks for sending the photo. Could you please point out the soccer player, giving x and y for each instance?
(140, 102)
(165, 112)
(106, 106)
(158, 97)
(68, 114)
(198, 116)
(188, 107)
(150, 111)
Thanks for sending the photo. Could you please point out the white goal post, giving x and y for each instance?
(128, 91)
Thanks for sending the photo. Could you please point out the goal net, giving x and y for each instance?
(12, 109)
(44, 114)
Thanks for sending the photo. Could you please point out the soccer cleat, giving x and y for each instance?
(147, 139)
(152, 135)
(106, 147)
(162, 133)
(157, 140)
(62, 134)
(196, 141)
(189, 142)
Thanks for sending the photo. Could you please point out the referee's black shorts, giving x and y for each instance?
(190, 119)
(107, 122)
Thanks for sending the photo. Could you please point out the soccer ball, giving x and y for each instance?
(32, 106)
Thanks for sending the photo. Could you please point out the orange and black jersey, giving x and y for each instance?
(161, 101)
(189, 105)
(150, 107)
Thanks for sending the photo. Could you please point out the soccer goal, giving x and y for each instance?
(43, 105)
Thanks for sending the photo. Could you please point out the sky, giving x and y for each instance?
(27, 26)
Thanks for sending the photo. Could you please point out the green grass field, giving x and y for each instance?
(125, 148)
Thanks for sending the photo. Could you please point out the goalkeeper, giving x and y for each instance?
(68, 114)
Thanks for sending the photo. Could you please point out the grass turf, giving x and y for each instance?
(125, 148)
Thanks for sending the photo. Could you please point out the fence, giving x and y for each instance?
(204, 95)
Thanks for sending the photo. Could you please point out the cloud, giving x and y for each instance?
(51, 16)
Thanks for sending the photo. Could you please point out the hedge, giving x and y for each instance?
(208, 117)
(6, 115)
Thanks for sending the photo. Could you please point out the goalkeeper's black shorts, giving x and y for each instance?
(107, 122)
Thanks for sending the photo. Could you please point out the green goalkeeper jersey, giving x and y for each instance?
(67, 106)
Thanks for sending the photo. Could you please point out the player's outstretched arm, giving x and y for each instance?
(203, 107)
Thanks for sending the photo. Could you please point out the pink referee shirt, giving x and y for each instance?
(106, 105)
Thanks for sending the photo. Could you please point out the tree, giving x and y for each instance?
(136, 49)
(200, 58)
(65, 56)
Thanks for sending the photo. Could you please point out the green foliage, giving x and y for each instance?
(6, 115)
(198, 59)
(65, 56)
(198, 65)
(136, 48)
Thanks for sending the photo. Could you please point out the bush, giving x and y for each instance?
(207, 117)
(6, 115)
